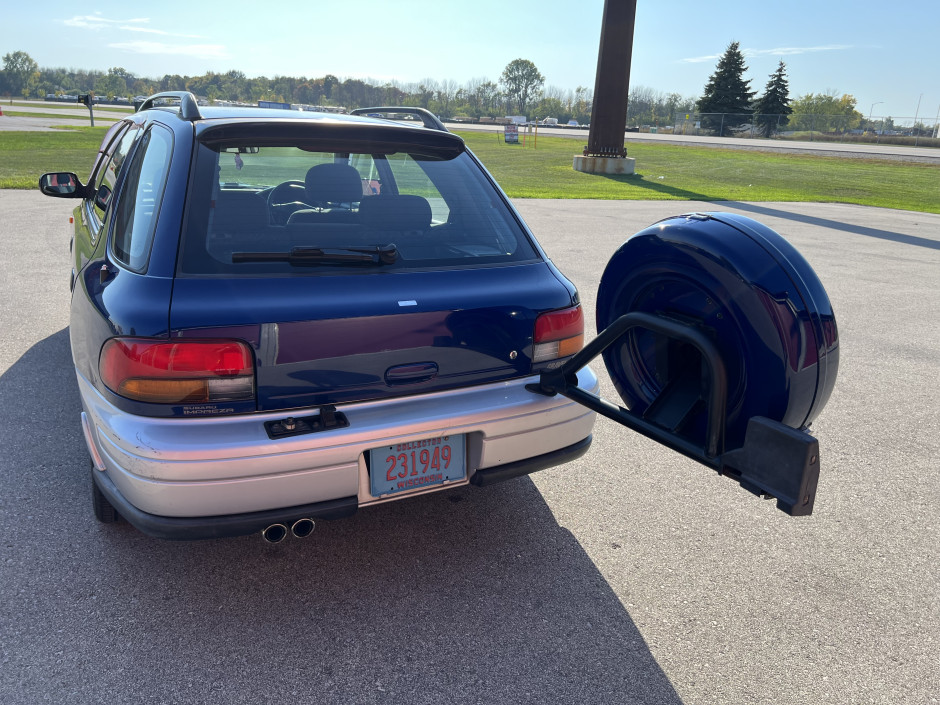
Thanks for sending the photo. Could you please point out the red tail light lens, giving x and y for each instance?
(178, 372)
(558, 334)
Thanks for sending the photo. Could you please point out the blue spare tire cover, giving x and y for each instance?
(750, 290)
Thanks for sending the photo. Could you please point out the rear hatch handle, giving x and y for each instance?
(411, 373)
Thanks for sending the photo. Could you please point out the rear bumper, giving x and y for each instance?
(216, 527)
(195, 468)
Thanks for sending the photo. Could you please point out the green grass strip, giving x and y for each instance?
(25, 156)
(664, 172)
(53, 116)
(690, 172)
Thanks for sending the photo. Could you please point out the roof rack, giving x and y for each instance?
(429, 119)
(189, 110)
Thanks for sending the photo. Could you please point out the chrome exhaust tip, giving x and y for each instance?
(274, 533)
(302, 528)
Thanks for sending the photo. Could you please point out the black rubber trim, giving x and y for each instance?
(501, 473)
(217, 527)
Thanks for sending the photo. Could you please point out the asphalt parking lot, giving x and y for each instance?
(630, 576)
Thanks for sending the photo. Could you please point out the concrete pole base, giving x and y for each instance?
(604, 165)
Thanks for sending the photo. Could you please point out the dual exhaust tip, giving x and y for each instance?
(302, 528)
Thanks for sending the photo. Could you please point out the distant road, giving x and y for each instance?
(864, 151)
(59, 117)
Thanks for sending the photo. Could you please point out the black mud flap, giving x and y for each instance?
(721, 341)
(776, 461)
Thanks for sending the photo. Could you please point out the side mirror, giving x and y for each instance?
(62, 184)
(103, 197)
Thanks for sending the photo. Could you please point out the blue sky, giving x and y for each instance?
(882, 53)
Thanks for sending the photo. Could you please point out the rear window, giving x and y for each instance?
(269, 209)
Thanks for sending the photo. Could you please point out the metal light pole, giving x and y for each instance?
(878, 137)
(916, 113)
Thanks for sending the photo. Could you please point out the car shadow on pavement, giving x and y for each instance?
(467, 596)
(760, 209)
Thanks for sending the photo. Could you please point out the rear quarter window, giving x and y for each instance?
(135, 217)
(109, 169)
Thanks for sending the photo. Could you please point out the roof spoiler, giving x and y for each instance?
(429, 119)
(189, 110)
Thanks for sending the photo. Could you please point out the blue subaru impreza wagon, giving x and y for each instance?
(282, 315)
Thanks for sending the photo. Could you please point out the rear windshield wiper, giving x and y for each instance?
(378, 254)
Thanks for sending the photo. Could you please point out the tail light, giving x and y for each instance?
(178, 372)
(558, 334)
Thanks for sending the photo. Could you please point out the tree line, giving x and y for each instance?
(727, 102)
(519, 90)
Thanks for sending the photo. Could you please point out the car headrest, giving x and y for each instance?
(333, 183)
(395, 212)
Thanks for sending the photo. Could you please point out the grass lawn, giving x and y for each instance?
(664, 172)
(688, 172)
(25, 156)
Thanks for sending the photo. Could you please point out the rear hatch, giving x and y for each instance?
(336, 339)
(359, 260)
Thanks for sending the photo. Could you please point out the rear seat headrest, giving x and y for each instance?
(332, 183)
(395, 212)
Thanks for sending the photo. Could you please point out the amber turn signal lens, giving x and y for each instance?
(558, 334)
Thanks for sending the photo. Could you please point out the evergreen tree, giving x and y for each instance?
(727, 94)
(772, 109)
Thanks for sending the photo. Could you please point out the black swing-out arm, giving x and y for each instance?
(776, 461)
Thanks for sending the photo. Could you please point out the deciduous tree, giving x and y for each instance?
(522, 81)
(18, 69)
(487, 93)
(328, 82)
(114, 83)
(825, 112)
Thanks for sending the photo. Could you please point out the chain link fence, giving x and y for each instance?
(912, 131)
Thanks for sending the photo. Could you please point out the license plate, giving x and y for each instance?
(416, 465)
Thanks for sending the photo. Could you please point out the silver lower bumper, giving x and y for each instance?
(222, 466)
